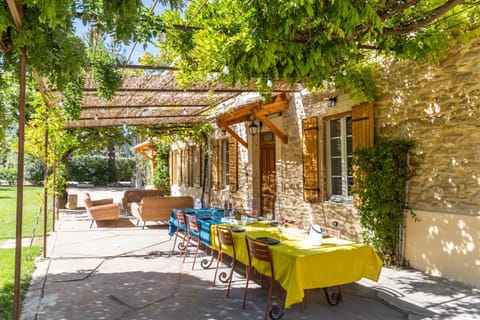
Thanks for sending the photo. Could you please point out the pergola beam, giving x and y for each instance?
(142, 106)
(16, 9)
(146, 67)
(236, 136)
(190, 90)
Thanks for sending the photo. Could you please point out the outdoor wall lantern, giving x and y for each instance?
(253, 127)
(163, 36)
(332, 102)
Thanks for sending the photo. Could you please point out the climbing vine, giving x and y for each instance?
(381, 187)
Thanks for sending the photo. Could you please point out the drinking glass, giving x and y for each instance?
(212, 207)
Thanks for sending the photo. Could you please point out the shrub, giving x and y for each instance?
(161, 176)
(125, 168)
(381, 185)
(9, 175)
(34, 171)
(97, 170)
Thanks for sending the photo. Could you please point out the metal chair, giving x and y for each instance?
(292, 223)
(252, 213)
(193, 232)
(336, 233)
(260, 251)
(181, 228)
(225, 239)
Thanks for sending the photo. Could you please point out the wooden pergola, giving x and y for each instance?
(158, 99)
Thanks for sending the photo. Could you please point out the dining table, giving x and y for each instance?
(206, 217)
(300, 265)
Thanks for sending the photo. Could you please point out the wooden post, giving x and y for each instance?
(20, 173)
(45, 189)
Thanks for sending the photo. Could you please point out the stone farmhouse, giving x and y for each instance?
(296, 165)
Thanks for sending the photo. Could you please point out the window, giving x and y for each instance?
(339, 159)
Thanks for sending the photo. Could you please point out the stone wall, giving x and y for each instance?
(438, 107)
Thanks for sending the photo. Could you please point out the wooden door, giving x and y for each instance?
(267, 174)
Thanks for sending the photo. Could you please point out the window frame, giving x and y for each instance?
(346, 172)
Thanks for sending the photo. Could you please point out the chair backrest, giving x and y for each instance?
(192, 223)
(225, 236)
(332, 232)
(292, 223)
(179, 215)
(251, 213)
(259, 250)
(88, 201)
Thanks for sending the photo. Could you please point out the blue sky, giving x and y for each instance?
(138, 49)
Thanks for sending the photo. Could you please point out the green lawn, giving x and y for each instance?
(31, 205)
(32, 197)
(7, 271)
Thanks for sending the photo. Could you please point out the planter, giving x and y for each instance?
(61, 201)
(72, 201)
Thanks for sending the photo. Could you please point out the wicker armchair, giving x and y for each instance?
(103, 209)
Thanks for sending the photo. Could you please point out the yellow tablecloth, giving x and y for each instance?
(299, 265)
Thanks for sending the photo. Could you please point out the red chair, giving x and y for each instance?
(252, 213)
(225, 239)
(193, 232)
(181, 228)
(260, 251)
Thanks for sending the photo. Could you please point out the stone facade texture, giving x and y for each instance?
(438, 107)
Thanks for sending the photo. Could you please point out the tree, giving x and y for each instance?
(319, 43)
(57, 54)
(94, 141)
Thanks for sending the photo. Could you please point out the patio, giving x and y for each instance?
(124, 272)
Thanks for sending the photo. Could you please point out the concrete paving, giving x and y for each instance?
(123, 272)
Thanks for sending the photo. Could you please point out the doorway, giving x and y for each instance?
(268, 188)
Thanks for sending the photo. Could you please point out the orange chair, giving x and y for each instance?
(193, 232)
(260, 251)
(181, 228)
(292, 223)
(225, 239)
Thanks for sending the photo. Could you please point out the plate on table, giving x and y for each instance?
(268, 240)
(204, 217)
(236, 229)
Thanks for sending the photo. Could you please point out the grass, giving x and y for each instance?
(7, 271)
(32, 202)
(32, 197)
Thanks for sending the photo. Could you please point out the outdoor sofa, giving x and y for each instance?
(136, 195)
(159, 208)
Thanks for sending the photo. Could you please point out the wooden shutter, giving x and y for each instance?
(311, 190)
(215, 164)
(178, 167)
(192, 173)
(198, 165)
(233, 164)
(363, 126)
(171, 168)
(185, 180)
